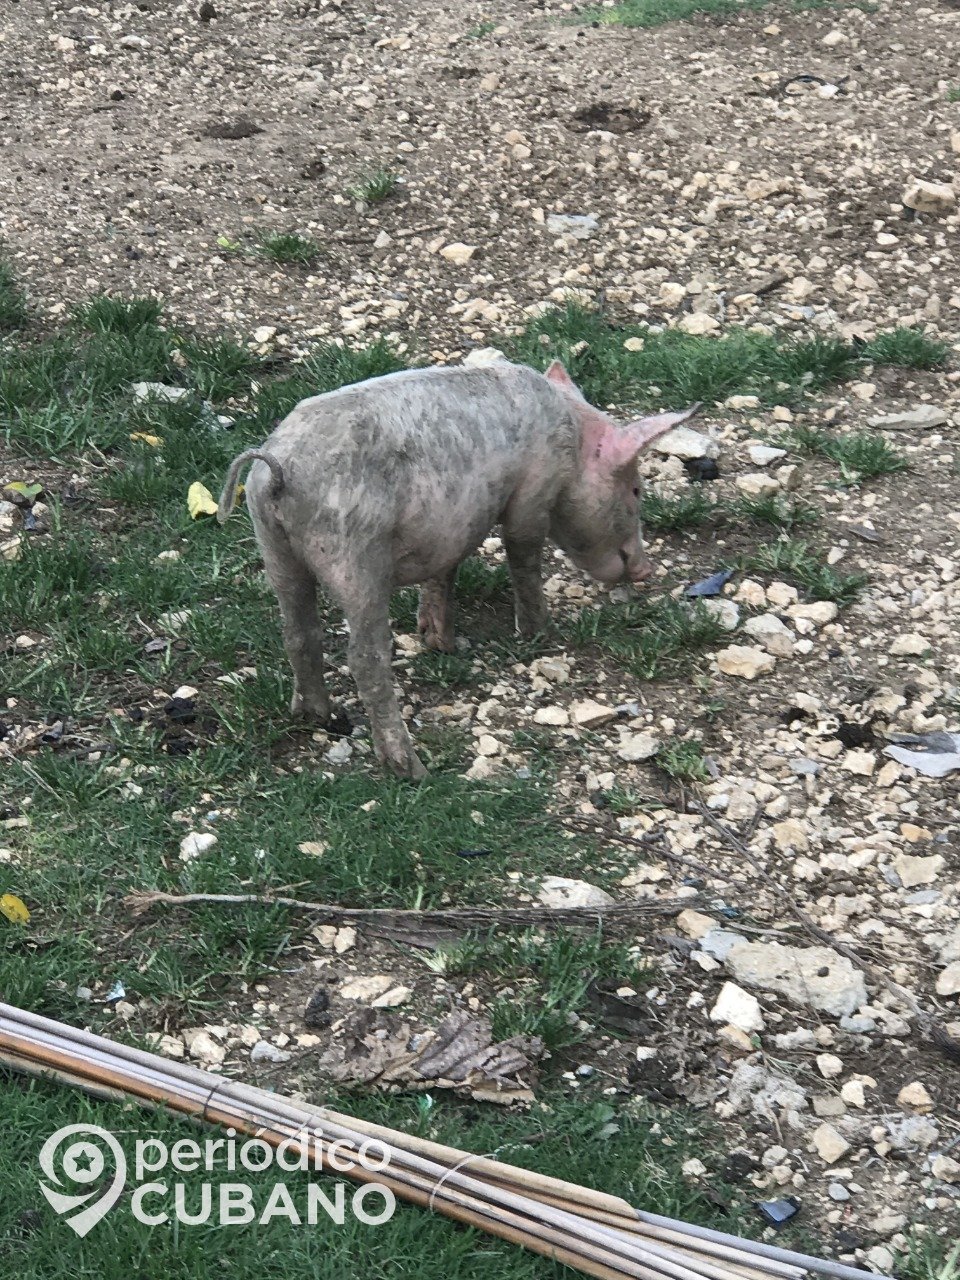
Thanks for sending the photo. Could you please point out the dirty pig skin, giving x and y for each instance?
(395, 480)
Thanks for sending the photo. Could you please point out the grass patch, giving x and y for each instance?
(74, 390)
(13, 302)
(930, 1258)
(684, 761)
(402, 850)
(860, 455)
(374, 187)
(550, 979)
(289, 249)
(328, 366)
(670, 515)
(111, 314)
(449, 670)
(650, 640)
(480, 581)
(907, 348)
(633, 1149)
(655, 13)
(481, 30)
(795, 562)
(675, 369)
(776, 510)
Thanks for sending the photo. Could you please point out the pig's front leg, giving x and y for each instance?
(437, 612)
(523, 556)
(368, 654)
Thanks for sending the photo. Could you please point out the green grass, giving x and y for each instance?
(671, 515)
(684, 760)
(630, 1148)
(122, 840)
(449, 670)
(111, 314)
(953, 95)
(651, 640)
(776, 510)
(860, 455)
(13, 302)
(289, 249)
(73, 391)
(654, 13)
(796, 562)
(906, 348)
(374, 187)
(675, 369)
(480, 30)
(930, 1258)
(550, 980)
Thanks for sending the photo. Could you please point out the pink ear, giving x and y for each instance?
(611, 447)
(558, 375)
(638, 434)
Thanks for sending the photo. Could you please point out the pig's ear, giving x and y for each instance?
(558, 375)
(643, 431)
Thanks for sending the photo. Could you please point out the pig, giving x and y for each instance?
(394, 481)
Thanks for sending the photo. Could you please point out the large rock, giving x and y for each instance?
(923, 417)
(745, 661)
(684, 442)
(757, 484)
(366, 988)
(914, 871)
(930, 197)
(738, 1008)
(773, 634)
(458, 253)
(591, 715)
(948, 982)
(814, 976)
(639, 746)
(580, 226)
(202, 1047)
(558, 891)
(830, 1145)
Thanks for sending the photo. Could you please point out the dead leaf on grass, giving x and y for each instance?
(200, 500)
(460, 1055)
(14, 909)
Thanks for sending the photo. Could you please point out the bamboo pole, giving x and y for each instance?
(598, 1234)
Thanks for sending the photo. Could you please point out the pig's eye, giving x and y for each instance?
(636, 493)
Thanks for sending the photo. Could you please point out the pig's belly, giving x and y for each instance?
(421, 559)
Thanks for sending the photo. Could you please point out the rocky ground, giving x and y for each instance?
(790, 168)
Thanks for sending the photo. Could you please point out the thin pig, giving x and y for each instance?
(396, 480)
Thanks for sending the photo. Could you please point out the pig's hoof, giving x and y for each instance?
(316, 709)
(404, 762)
(439, 641)
(537, 629)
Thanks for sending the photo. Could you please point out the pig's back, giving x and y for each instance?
(432, 417)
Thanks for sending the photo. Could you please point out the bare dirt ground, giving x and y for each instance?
(724, 192)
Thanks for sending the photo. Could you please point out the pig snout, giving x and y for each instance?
(625, 565)
(639, 569)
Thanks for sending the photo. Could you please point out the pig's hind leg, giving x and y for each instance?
(296, 589)
(369, 656)
(435, 619)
